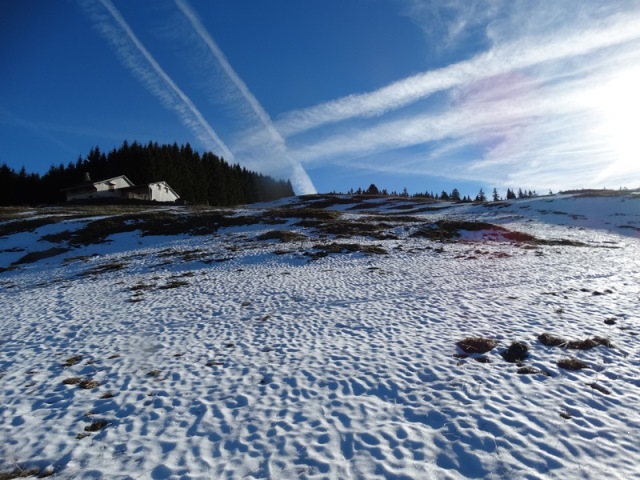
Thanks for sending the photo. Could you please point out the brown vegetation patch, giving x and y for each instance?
(322, 250)
(571, 363)
(586, 344)
(22, 225)
(304, 213)
(72, 381)
(473, 345)
(328, 201)
(282, 236)
(350, 228)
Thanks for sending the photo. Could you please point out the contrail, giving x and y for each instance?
(301, 181)
(153, 77)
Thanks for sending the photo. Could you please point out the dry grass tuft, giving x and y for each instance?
(571, 363)
(473, 345)
(96, 426)
(599, 388)
(72, 381)
(72, 361)
(586, 344)
(20, 473)
(88, 384)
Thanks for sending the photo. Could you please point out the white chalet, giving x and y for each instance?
(120, 187)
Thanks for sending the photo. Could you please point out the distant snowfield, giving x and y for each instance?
(225, 356)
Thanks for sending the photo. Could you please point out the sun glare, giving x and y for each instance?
(618, 105)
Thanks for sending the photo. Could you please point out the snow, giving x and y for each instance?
(224, 359)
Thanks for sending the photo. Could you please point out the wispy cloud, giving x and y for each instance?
(148, 71)
(299, 178)
(519, 113)
(521, 54)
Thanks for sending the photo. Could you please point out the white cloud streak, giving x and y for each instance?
(143, 65)
(524, 112)
(300, 180)
(516, 55)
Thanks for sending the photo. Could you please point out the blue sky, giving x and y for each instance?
(334, 94)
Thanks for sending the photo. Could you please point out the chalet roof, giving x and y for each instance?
(92, 183)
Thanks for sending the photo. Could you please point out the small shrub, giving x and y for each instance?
(71, 381)
(571, 363)
(516, 352)
(473, 345)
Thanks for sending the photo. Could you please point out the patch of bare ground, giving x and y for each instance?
(474, 345)
(588, 343)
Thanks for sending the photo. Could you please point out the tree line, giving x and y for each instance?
(203, 179)
(453, 196)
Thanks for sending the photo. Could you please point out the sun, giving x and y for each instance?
(618, 108)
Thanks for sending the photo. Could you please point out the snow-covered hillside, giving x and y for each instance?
(322, 337)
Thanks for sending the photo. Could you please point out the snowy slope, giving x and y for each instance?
(331, 354)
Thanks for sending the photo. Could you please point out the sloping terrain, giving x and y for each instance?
(322, 337)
